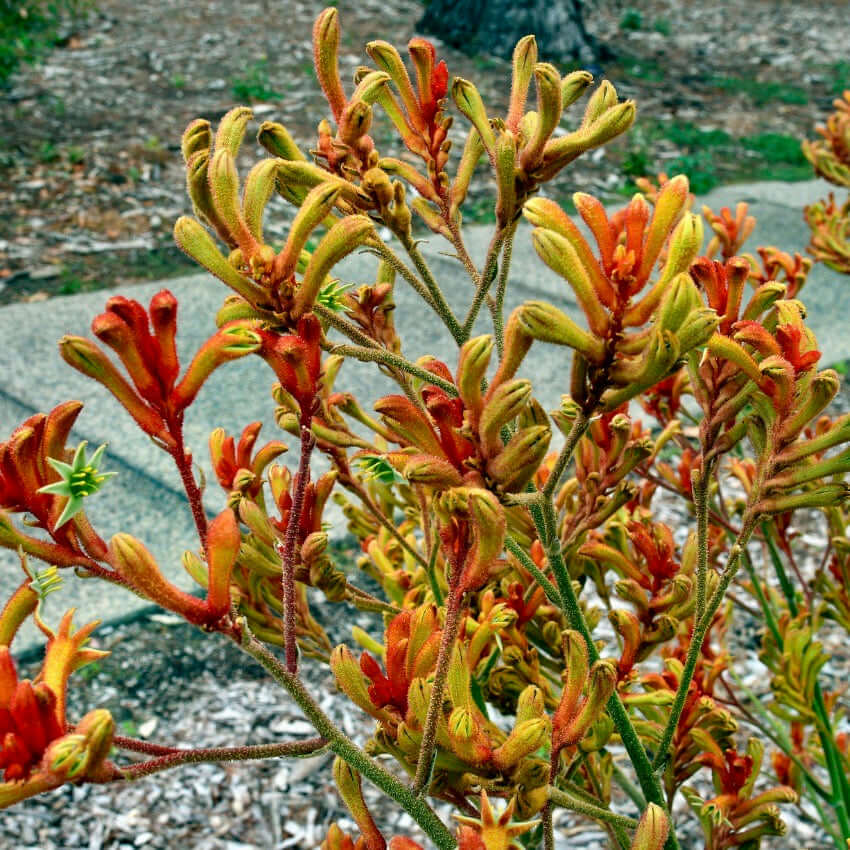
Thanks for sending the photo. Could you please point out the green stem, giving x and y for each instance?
(577, 429)
(784, 582)
(631, 790)
(700, 494)
(388, 255)
(354, 333)
(616, 832)
(700, 630)
(769, 617)
(441, 309)
(440, 305)
(345, 748)
(388, 358)
(487, 277)
(517, 551)
(583, 807)
(649, 783)
(364, 601)
(498, 306)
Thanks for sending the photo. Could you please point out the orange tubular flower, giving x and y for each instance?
(25, 472)
(234, 466)
(296, 359)
(729, 233)
(408, 657)
(145, 344)
(412, 641)
(37, 752)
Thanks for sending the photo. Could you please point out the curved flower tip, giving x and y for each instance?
(78, 479)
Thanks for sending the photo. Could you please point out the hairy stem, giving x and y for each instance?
(345, 748)
(396, 361)
(540, 577)
(584, 807)
(220, 754)
(435, 704)
(548, 828)
(578, 428)
(649, 783)
(630, 789)
(366, 602)
(497, 308)
(291, 538)
(460, 247)
(701, 626)
(486, 280)
(700, 494)
(351, 330)
(440, 305)
(193, 492)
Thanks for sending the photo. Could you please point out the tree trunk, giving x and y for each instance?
(495, 26)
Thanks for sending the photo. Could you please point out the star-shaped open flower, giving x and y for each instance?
(79, 479)
(494, 832)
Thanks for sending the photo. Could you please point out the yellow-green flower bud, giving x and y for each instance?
(524, 61)
(231, 130)
(469, 102)
(325, 53)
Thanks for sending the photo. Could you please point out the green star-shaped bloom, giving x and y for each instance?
(80, 478)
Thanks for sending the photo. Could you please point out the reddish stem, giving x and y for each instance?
(193, 492)
(215, 754)
(137, 746)
(291, 538)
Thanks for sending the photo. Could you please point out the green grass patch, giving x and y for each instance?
(642, 69)
(710, 156)
(761, 93)
(687, 135)
(631, 20)
(776, 147)
(699, 168)
(255, 85)
(840, 73)
(30, 28)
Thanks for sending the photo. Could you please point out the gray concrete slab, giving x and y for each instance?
(145, 499)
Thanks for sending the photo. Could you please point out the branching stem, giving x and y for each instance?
(220, 754)
(584, 807)
(345, 748)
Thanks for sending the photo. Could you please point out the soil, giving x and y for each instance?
(91, 178)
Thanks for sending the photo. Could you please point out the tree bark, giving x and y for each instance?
(495, 26)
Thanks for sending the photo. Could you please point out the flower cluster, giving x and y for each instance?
(555, 598)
